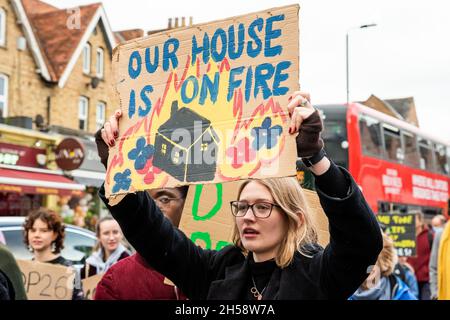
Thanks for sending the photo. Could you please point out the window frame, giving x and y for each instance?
(85, 117)
(378, 123)
(99, 122)
(415, 140)
(87, 58)
(437, 165)
(428, 146)
(100, 53)
(4, 97)
(2, 27)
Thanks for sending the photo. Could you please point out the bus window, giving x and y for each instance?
(440, 154)
(426, 154)
(411, 154)
(392, 143)
(370, 135)
(335, 138)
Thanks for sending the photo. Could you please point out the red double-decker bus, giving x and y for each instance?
(399, 167)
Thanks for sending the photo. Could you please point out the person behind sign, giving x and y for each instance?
(44, 237)
(383, 283)
(109, 248)
(275, 255)
(132, 278)
(421, 261)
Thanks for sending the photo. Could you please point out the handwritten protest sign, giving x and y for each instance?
(44, 281)
(402, 229)
(206, 104)
(207, 218)
(90, 285)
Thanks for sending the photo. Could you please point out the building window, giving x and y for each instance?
(2, 27)
(83, 110)
(87, 58)
(100, 114)
(3, 95)
(100, 63)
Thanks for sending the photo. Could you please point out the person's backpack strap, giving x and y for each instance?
(400, 272)
(393, 283)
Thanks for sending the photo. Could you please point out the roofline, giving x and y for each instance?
(100, 14)
(398, 123)
(29, 34)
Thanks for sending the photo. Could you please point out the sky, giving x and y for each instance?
(406, 54)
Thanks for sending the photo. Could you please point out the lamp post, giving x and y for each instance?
(347, 60)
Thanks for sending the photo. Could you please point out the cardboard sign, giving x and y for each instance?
(206, 104)
(402, 229)
(45, 281)
(207, 219)
(90, 285)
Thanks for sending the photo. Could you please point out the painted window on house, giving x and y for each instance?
(100, 63)
(83, 110)
(87, 58)
(3, 95)
(100, 114)
(2, 27)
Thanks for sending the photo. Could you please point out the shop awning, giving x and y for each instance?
(22, 181)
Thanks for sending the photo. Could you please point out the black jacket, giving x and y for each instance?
(333, 273)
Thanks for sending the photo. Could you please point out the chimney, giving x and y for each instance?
(176, 22)
(190, 21)
(183, 21)
(169, 26)
(174, 108)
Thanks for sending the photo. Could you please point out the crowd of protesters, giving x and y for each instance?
(274, 255)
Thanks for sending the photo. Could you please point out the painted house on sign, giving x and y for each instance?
(186, 146)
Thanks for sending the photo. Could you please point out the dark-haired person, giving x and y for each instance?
(109, 248)
(44, 236)
(132, 278)
(11, 283)
(275, 253)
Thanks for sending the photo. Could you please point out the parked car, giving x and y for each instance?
(78, 243)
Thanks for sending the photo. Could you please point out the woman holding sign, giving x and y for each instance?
(275, 255)
(44, 236)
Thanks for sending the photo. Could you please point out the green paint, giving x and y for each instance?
(222, 244)
(203, 236)
(214, 210)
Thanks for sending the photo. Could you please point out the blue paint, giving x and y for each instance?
(212, 87)
(248, 83)
(122, 181)
(148, 103)
(280, 77)
(132, 104)
(204, 50)
(184, 96)
(252, 51)
(141, 153)
(263, 73)
(272, 34)
(134, 57)
(234, 53)
(149, 65)
(170, 56)
(234, 83)
(266, 135)
(219, 56)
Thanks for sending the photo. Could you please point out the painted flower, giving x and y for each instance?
(241, 153)
(122, 180)
(266, 135)
(141, 154)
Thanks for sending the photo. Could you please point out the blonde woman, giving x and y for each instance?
(275, 255)
(382, 283)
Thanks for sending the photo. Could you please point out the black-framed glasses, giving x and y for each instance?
(261, 209)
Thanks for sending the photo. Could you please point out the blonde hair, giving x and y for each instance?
(288, 194)
(387, 259)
